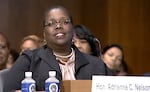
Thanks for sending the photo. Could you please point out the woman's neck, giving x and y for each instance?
(64, 58)
(61, 50)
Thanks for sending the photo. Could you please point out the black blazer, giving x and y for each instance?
(2, 77)
(42, 60)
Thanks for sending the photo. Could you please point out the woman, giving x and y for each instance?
(113, 57)
(4, 51)
(85, 41)
(58, 54)
(31, 42)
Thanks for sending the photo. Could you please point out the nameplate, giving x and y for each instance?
(120, 84)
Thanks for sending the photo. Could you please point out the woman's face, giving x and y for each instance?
(112, 57)
(29, 45)
(58, 28)
(4, 50)
(82, 44)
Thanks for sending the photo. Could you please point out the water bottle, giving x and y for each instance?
(52, 84)
(28, 84)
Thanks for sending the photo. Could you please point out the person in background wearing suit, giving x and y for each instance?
(4, 53)
(58, 54)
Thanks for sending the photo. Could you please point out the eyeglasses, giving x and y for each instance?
(62, 22)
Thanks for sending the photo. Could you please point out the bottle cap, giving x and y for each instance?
(28, 74)
(52, 73)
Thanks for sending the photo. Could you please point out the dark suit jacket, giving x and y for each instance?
(2, 77)
(42, 60)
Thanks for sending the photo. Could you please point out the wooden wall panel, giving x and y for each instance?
(94, 16)
(4, 7)
(128, 25)
(125, 22)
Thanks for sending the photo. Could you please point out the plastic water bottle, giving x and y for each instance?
(28, 84)
(52, 84)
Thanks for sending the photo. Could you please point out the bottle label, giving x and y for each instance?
(52, 87)
(28, 87)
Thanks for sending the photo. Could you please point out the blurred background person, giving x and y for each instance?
(14, 54)
(31, 42)
(113, 57)
(85, 41)
(4, 51)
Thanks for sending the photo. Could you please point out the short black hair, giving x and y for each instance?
(110, 46)
(57, 7)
